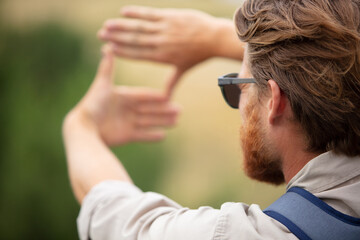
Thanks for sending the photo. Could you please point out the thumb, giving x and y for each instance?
(172, 81)
(106, 66)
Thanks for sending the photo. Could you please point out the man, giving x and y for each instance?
(301, 125)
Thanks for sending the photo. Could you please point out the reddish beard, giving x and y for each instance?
(260, 160)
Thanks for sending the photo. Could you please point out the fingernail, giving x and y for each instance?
(175, 108)
(105, 50)
(127, 10)
(109, 23)
(101, 34)
(124, 10)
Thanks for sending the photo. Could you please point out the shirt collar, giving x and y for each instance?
(326, 171)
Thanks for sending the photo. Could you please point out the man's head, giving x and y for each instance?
(310, 49)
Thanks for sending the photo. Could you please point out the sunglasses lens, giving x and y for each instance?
(232, 95)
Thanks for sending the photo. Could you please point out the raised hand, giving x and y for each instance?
(124, 114)
(181, 37)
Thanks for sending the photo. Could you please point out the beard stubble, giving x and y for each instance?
(260, 160)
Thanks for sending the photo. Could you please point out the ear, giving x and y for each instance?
(277, 102)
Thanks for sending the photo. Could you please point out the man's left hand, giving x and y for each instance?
(124, 114)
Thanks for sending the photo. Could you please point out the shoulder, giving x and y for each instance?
(242, 221)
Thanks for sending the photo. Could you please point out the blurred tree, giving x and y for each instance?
(43, 73)
(36, 68)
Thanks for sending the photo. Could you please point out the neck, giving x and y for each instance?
(294, 162)
(293, 153)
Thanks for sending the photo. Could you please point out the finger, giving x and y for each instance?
(158, 108)
(130, 38)
(145, 53)
(150, 121)
(132, 25)
(140, 12)
(148, 135)
(106, 66)
(140, 94)
(173, 80)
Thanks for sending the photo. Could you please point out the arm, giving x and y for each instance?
(110, 115)
(180, 37)
(86, 158)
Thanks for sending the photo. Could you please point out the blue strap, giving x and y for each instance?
(308, 217)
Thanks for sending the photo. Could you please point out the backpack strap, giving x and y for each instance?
(308, 217)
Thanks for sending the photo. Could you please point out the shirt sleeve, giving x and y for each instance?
(120, 210)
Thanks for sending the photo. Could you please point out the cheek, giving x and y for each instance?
(242, 105)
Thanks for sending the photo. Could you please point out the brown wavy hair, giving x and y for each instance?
(311, 48)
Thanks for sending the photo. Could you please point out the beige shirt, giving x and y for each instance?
(118, 210)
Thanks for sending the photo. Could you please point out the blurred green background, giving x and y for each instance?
(48, 58)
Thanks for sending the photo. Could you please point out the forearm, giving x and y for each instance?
(227, 43)
(89, 160)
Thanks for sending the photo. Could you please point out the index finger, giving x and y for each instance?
(142, 94)
(140, 12)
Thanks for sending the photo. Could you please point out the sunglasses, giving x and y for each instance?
(230, 89)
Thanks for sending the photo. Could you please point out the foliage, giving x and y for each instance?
(44, 72)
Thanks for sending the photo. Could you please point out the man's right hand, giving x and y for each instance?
(181, 37)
